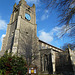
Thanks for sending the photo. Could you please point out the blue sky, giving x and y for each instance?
(47, 29)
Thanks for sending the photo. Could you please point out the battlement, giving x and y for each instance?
(21, 3)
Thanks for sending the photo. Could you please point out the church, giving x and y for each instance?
(21, 39)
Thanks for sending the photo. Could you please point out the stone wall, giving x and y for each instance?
(72, 57)
(47, 61)
(64, 64)
(44, 45)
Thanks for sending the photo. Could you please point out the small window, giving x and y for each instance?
(29, 8)
(26, 32)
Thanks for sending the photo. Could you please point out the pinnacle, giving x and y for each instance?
(15, 5)
(22, 1)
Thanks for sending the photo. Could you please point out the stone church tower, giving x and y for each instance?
(21, 37)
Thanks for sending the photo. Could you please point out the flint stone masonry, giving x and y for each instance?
(72, 57)
(21, 39)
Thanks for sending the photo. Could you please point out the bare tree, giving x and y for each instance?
(66, 9)
(71, 45)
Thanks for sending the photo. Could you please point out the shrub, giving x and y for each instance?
(12, 65)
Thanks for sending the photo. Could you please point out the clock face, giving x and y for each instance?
(27, 16)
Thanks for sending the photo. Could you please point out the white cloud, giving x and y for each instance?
(45, 36)
(46, 11)
(2, 37)
(45, 15)
(61, 30)
(56, 31)
(3, 24)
